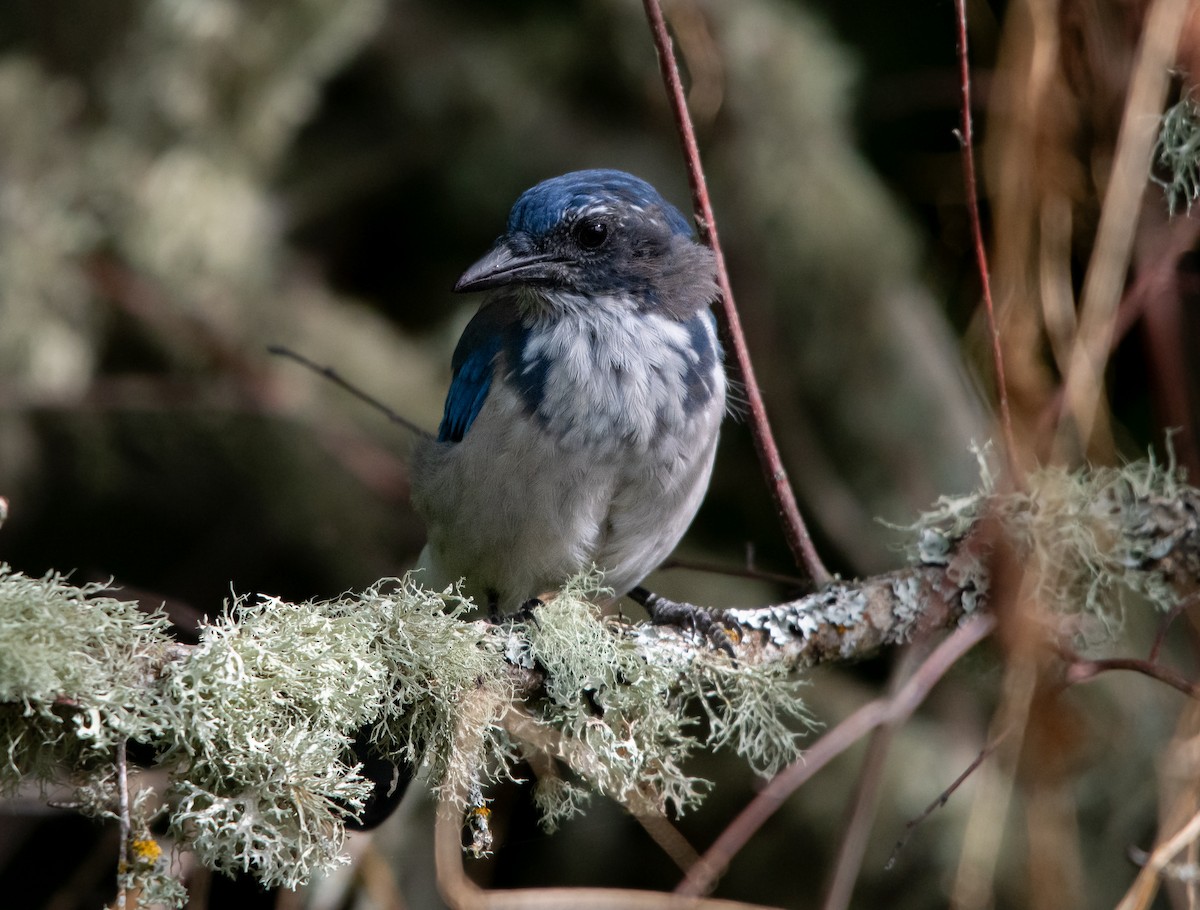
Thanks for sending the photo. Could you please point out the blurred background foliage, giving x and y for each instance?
(183, 182)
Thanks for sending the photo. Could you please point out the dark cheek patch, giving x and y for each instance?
(697, 375)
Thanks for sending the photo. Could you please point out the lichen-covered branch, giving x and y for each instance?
(1093, 542)
(253, 726)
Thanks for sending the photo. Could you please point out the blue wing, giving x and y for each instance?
(473, 365)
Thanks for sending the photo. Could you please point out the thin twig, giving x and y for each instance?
(853, 846)
(764, 442)
(333, 376)
(693, 565)
(840, 887)
(1160, 635)
(376, 877)
(463, 894)
(702, 877)
(973, 885)
(1082, 670)
(668, 837)
(123, 813)
(944, 796)
(967, 140)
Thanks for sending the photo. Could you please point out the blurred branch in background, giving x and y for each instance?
(1083, 387)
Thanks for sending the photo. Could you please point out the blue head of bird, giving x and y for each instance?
(598, 234)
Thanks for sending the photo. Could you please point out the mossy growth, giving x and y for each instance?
(253, 725)
(1084, 534)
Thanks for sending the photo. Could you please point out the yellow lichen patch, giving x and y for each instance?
(146, 850)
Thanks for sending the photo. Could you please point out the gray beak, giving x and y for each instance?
(501, 265)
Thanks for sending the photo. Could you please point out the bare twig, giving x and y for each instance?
(1160, 635)
(702, 877)
(1082, 670)
(463, 894)
(764, 442)
(854, 841)
(857, 832)
(333, 376)
(747, 571)
(974, 880)
(373, 873)
(944, 796)
(966, 140)
(668, 837)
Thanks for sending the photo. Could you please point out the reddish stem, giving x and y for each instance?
(1161, 635)
(968, 154)
(1081, 670)
(764, 442)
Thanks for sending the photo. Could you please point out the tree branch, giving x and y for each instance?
(764, 440)
(275, 691)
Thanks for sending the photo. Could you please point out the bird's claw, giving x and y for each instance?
(523, 614)
(714, 625)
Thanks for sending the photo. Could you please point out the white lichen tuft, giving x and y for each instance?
(1177, 155)
(261, 714)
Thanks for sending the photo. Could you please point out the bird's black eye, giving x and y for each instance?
(591, 234)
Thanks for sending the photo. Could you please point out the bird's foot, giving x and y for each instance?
(523, 613)
(714, 625)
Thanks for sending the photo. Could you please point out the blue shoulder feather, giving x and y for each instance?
(473, 367)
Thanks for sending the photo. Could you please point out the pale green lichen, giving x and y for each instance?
(253, 724)
(1177, 155)
(629, 708)
(266, 706)
(1080, 531)
(261, 713)
(73, 675)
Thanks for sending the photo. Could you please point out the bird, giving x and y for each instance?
(581, 424)
(587, 393)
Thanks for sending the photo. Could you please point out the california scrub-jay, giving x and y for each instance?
(582, 419)
(587, 394)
